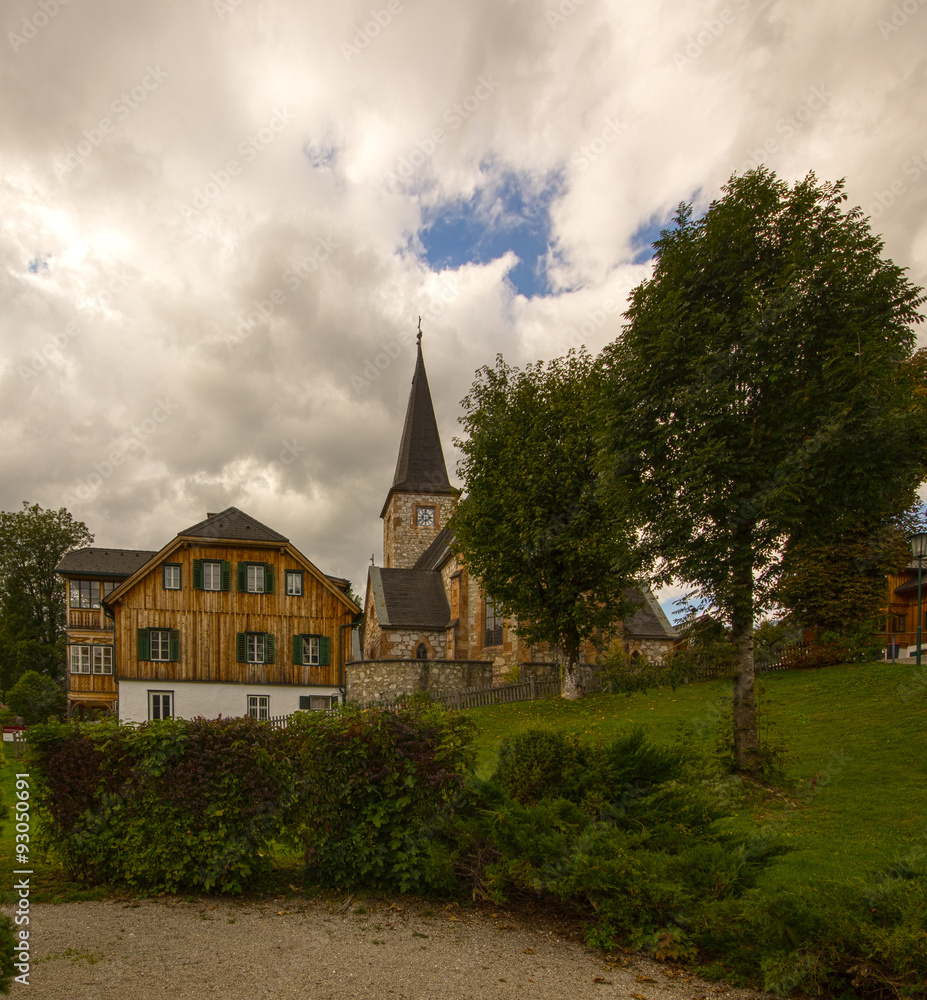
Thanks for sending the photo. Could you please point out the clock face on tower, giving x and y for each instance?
(425, 517)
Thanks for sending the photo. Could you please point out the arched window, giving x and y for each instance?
(422, 652)
(635, 656)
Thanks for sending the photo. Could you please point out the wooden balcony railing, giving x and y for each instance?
(89, 619)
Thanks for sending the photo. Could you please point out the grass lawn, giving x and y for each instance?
(854, 757)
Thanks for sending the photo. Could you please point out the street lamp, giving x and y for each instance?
(919, 550)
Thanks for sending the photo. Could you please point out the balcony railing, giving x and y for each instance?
(89, 620)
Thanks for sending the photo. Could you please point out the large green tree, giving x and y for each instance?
(32, 596)
(762, 394)
(533, 527)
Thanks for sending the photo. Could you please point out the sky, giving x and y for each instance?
(221, 220)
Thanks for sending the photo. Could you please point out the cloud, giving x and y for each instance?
(224, 205)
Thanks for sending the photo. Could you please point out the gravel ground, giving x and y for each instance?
(289, 948)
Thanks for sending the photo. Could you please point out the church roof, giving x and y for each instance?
(409, 598)
(232, 524)
(648, 620)
(438, 552)
(420, 465)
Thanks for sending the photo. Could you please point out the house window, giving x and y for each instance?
(102, 659)
(294, 583)
(259, 707)
(160, 704)
(212, 574)
(87, 593)
(256, 578)
(897, 623)
(80, 659)
(317, 702)
(312, 650)
(170, 576)
(254, 647)
(493, 625)
(158, 645)
(425, 517)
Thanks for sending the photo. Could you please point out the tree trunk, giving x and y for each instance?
(746, 737)
(571, 685)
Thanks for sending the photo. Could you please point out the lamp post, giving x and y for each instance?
(919, 550)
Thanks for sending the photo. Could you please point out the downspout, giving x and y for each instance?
(341, 664)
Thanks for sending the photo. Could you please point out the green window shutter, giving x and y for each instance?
(175, 645)
(325, 650)
(242, 576)
(268, 648)
(241, 647)
(198, 574)
(268, 578)
(142, 642)
(298, 649)
(226, 568)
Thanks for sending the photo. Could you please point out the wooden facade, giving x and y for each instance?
(901, 609)
(208, 623)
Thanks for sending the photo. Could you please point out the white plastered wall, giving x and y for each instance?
(211, 700)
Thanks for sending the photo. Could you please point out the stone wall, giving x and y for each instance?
(384, 680)
(654, 649)
(403, 539)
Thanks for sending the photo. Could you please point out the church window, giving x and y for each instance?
(422, 652)
(493, 625)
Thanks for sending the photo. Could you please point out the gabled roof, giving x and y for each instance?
(438, 552)
(232, 524)
(409, 598)
(104, 562)
(648, 620)
(420, 465)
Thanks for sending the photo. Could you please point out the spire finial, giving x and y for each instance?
(419, 337)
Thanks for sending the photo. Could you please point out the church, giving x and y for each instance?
(422, 605)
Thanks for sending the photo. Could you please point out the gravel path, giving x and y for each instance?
(318, 950)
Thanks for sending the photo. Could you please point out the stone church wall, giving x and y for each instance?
(385, 680)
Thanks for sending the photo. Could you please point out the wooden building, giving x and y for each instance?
(228, 619)
(900, 635)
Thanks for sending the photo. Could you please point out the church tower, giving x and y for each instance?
(421, 499)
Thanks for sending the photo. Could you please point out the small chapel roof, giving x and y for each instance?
(409, 598)
(420, 466)
(438, 552)
(648, 620)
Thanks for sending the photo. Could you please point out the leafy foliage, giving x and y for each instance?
(533, 526)
(764, 392)
(32, 596)
(35, 697)
(162, 806)
(374, 787)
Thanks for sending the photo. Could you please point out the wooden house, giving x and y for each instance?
(229, 618)
(900, 635)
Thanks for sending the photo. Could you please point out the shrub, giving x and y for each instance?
(376, 786)
(35, 697)
(162, 806)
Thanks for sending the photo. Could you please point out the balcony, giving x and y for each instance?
(89, 620)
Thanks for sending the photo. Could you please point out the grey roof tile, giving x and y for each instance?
(233, 524)
(409, 598)
(95, 561)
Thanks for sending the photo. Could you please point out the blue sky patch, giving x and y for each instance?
(510, 214)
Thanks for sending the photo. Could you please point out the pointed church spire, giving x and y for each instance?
(420, 466)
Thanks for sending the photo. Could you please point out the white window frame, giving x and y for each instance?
(256, 578)
(163, 642)
(259, 707)
(102, 659)
(171, 570)
(294, 583)
(255, 648)
(79, 657)
(212, 574)
(163, 698)
(311, 651)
